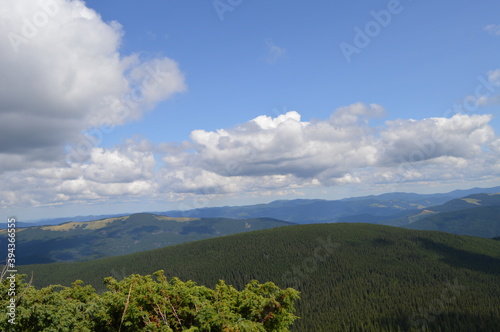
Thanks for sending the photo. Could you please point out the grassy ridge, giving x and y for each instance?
(479, 221)
(81, 241)
(357, 277)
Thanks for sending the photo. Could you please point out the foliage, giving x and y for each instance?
(478, 221)
(352, 277)
(81, 241)
(144, 303)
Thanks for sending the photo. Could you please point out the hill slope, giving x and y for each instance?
(457, 204)
(479, 221)
(371, 209)
(79, 241)
(396, 201)
(353, 277)
(467, 202)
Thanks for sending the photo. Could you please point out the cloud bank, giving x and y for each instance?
(59, 85)
(270, 155)
(58, 82)
(286, 152)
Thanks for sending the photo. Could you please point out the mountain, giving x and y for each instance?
(426, 198)
(307, 211)
(58, 221)
(467, 202)
(78, 241)
(87, 240)
(371, 209)
(478, 221)
(352, 277)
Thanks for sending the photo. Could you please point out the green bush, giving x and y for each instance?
(149, 303)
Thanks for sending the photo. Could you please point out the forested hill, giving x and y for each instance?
(352, 277)
(87, 240)
(478, 221)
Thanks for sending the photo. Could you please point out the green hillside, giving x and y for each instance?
(479, 221)
(467, 202)
(80, 241)
(352, 277)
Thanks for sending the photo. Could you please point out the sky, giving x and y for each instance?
(127, 106)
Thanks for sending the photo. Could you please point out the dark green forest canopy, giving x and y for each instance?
(351, 276)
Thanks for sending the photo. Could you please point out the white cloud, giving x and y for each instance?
(487, 92)
(267, 155)
(494, 77)
(62, 74)
(284, 152)
(115, 166)
(274, 52)
(415, 141)
(494, 29)
(286, 146)
(127, 170)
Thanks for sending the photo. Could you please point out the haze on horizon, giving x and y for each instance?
(125, 107)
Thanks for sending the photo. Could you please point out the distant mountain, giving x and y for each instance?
(352, 277)
(475, 214)
(467, 192)
(58, 221)
(438, 196)
(376, 209)
(305, 211)
(373, 208)
(467, 202)
(478, 221)
(78, 241)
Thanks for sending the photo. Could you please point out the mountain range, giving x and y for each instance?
(303, 211)
(79, 241)
(374, 263)
(368, 208)
(475, 215)
(352, 277)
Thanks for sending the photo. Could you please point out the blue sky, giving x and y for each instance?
(331, 125)
(428, 58)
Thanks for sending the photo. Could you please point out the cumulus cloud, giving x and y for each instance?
(127, 170)
(286, 145)
(279, 154)
(58, 81)
(416, 141)
(285, 151)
